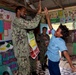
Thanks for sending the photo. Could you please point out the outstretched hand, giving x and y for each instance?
(47, 17)
(73, 68)
(46, 11)
(39, 7)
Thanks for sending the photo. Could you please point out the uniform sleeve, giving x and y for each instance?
(62, 46)
(27, 24)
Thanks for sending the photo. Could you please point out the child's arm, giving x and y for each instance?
(48, 18)
(69, 60)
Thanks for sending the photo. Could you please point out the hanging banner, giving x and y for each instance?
(55, 20)
(60, 13)
(6, 21)
(34, 50)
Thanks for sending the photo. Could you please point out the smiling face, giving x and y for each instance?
(22, 12)
(58, 33)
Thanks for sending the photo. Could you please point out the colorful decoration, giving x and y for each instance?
(34, 50)
(5, 47)
(6, 18)
(7, 59)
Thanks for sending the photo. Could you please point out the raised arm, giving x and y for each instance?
(29, 24)
(48, 18)
(24, 24)
(69, 61)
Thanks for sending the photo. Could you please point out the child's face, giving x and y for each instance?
(58, 33)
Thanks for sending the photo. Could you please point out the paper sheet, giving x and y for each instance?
(1, 26)
(5, 32)
(7, 25)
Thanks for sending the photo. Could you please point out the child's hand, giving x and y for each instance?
(73, 68)
(46, 11)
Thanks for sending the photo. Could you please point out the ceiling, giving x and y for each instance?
(54, 4)
(50, 4)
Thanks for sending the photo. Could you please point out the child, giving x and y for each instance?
(57, 43)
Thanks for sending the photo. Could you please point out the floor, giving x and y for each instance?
(64, 68)
(40, 71)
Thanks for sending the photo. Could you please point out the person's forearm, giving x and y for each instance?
(68, 58)
(49, 22)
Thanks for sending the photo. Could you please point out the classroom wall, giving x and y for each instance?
(6, 18)
(62, 16)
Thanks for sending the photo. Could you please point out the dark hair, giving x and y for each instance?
(44, 28)
(65, 31)
(5, 73)
(19, 8)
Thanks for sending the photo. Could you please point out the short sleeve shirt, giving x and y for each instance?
(55, 45)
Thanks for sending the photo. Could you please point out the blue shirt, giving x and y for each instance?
(54, 46)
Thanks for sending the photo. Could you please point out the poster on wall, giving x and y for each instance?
(55, 20)
(7, 15)
(6, 18)
(70, 13)
(62, 20)
(34, 50)
(65, 16)
(1, 14)
(60, 14)
(54, 14)
(43, 25)
(48, 30)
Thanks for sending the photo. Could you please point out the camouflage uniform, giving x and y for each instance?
(20, 42)
(42, 46)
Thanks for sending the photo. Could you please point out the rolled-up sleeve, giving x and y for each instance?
(27, 24)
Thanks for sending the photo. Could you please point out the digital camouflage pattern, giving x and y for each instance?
(20, 42)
